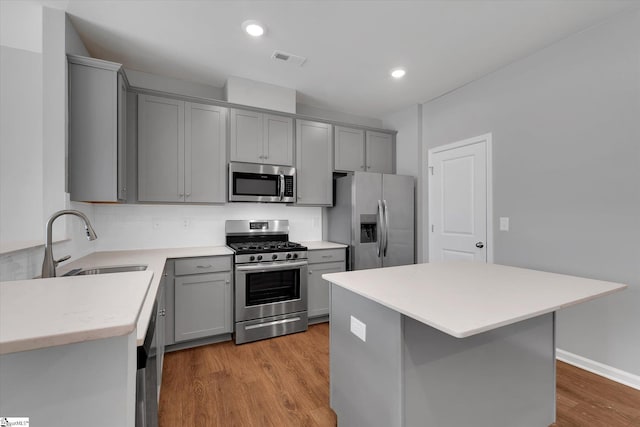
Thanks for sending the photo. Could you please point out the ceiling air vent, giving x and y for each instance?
(290, 58)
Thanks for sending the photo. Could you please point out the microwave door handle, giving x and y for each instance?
(281, 186)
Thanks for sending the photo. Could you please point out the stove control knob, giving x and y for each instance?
(252, 258)
(259, 257)
(274, 256)
(295, 255)
(288, 256)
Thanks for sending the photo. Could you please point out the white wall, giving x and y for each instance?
(46, 157)
(168, 84)
(20, 125)
(320, 113)
(566, 156)
(408, 123)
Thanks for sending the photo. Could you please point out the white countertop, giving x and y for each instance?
(465, 298)
(322, 244)
(46, 312)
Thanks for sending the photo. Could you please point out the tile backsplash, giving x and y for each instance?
(138, 226)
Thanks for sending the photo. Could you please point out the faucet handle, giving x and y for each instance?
(64, 258)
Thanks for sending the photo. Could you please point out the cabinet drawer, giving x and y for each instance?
(202, 265)
(326, 255)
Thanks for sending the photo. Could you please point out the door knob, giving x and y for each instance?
(479, 245)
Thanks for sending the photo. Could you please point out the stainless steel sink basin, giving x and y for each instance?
(106, 270)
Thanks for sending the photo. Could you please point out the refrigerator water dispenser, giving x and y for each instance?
(368, 228)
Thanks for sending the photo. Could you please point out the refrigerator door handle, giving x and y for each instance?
(380, 222)
(386, 227)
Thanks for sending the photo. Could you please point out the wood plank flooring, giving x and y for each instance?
(284, 382)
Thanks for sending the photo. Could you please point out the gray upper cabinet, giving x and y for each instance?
(314, 158)
(181, 151)
(205, 156)
(379, 152)
(261, 138)
(349, 149)
(97, 130)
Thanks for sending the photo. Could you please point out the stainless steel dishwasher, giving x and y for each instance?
(147, 377)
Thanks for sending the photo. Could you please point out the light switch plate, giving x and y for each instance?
(504, 223)
(359, 329)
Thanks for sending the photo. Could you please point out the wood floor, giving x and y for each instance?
(284, 382)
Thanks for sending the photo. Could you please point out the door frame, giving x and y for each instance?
(487, 139)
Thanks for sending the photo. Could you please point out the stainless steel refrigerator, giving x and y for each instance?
(374, 215)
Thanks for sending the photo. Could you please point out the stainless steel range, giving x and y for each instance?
(270, 279)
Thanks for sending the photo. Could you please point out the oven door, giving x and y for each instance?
(270, 289)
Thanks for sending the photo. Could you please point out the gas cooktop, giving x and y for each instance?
(253, 247)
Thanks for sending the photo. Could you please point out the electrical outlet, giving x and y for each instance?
(504, 223)
(186, 223)
(359, 329)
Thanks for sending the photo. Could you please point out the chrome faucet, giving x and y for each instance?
(49, 264)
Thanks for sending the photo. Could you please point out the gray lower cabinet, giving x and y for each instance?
(314, 163)
(260, 138)
(97, 130)
(322, 262)
(199, 302)
(181, 151)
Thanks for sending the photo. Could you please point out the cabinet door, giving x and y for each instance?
(202, 306)
(205, 154)
(349, 149)
(319, 288)
(379, 152)
(160, 149)
(160, 331)
(246, 136)
(278, 140)
(313, 163)
(94, 142)
(122, 138)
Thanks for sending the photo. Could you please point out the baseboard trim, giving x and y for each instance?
(614, 374)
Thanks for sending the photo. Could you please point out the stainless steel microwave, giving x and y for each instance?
(249, 182)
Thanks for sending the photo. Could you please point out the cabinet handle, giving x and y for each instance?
(265, 157)
(204, 266)
(310, 272)
(261, 157)
(180, 195)
(188, 194)
(299, 197)
(362, 167)
(327, 256)
(227, 282)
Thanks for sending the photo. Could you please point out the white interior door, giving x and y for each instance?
(459, 189)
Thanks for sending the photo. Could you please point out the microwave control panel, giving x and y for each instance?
(288, 186)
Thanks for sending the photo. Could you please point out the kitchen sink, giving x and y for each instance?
(105, 270)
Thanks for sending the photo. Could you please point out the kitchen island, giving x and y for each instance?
(448, 344)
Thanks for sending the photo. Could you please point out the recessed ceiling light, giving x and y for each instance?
(398, 73)
(253, 28)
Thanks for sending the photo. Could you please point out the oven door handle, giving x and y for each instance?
(271, 266)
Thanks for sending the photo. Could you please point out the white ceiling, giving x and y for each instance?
(350, 45)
